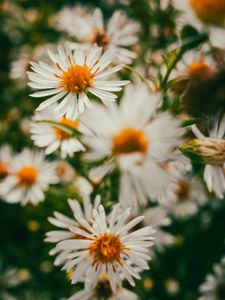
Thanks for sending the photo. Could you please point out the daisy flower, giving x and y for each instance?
(64, 223)
(189, 195)
(157, 217)
(5, 161)
(30, 176)
(214, 286)
(195, 65)
(212, 151)
(64, 171)
(118, 34)
(137, 140)
(206, 15)
(103, 290)
(51, 137)
(106, 247)
(72, 76)
(10, 278)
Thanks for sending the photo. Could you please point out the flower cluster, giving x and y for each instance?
(131, 148)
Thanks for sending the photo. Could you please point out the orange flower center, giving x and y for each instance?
(27, 175)
(60, 133)
(200, 70)
(209, 11)
(106, 248)
(76, 79)
(3, 170)
(130, 140)
(100, 38)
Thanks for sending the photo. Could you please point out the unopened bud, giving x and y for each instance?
(210, 151)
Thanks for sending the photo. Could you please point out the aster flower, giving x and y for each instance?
(89, 29)
(64, 223)
(157, 217)
(214, 286)
(106, 247)
(5, 161)
(205, 15)
(64, 171)
(30, 176)
(9, 278)
(194, 65)
(189, 195)
(72, 77)
(212, 153)
(45, 134)
(103, 290)
(138, 140)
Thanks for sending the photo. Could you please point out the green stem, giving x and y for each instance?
(142, 77)
(170, 69)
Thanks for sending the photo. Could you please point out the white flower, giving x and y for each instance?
(214, 286)
(138, 140)
(89, 29)
(189, 195)
(9, 279)
(64, 171)
(5, 161)
(195, 65)
(69, 17)
(157, 217)
(72, 77)
(214, 174)
(63, 222)
(205, 16)
(105, 247)
(47, 135)
(103, 290)
(30, 176)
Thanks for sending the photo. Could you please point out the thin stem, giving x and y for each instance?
(170, 69)
(142, 77)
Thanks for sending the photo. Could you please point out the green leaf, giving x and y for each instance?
(71, 131)
(191, 38)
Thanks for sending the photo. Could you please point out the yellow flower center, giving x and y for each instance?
(200, 70)
(3, 170)
(209, 11)
(106, 248)
(61, 134)
(76, 79)
(27, 175)
(130, 140)
(100, 38)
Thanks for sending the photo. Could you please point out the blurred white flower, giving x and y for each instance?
(29, 178)
(194, 64)
(206, 16)
(72, 76)
(158, 219)
(214, 286)
(214, 174)
(64, 171)
(101, 246)
(45, 134)
(5, 161)
(89, 29)
(189, 195)
(136, 139)
(9, 279)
